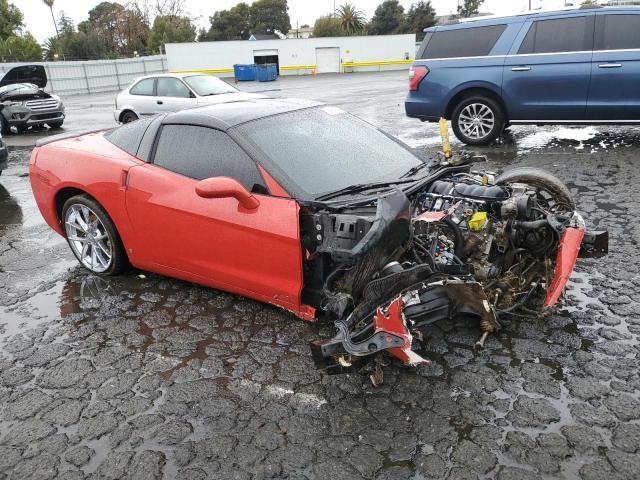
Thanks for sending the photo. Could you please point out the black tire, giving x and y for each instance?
(119, 261)
(4, 126)
(483, 103)
(128, 117)
(543, 181)
(54, 125)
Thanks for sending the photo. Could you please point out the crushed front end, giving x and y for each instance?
(465, 245)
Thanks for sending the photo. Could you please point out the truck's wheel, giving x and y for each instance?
(477, 120)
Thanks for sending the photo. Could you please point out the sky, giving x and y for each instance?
(38, 18)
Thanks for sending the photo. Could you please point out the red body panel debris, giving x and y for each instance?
(565, 261)
(394, 323)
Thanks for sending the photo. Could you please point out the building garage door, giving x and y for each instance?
(328, 60)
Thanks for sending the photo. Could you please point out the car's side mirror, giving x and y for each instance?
(225, 187)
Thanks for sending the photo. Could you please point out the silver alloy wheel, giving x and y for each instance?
(88, 238)
(476, 120)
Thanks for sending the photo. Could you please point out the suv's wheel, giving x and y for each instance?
(129, 116)
(92, 236)
(54, 125)
(477, 120)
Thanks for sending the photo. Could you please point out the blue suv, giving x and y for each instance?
(579, 66)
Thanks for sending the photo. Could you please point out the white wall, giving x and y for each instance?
(296, 56)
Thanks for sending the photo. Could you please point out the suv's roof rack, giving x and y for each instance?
(532, 12)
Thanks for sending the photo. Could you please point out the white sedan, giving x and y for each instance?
(172, 92)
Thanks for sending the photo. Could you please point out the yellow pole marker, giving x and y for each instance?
(444, 135)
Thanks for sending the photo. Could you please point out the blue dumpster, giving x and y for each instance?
(267, 72)
(244, 73)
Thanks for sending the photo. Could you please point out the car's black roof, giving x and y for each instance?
(227, 115)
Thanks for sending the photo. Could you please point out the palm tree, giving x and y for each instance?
(351, 19)
(49, 3)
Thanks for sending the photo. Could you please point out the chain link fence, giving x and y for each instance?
(95, 76)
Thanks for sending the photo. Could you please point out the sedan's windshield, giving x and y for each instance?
(205, 85)
(324, 149)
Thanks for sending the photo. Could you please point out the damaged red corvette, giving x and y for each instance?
(306, 207)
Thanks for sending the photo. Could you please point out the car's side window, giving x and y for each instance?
(143, 87)
(200, 152)
(172, 87)
(465, 42)
(617, 32)
(573, 34)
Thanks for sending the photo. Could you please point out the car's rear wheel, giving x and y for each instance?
(477, 120)
(129, 116)
(92, 236)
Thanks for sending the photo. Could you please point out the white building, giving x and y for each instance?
(302, 32)
(296, 56)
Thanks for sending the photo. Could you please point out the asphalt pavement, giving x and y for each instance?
(145, 377)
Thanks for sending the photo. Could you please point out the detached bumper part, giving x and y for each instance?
(389, 327)
(390, 333)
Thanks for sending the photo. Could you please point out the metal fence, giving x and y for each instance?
(94, 76)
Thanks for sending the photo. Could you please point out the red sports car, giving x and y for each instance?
(306, 207)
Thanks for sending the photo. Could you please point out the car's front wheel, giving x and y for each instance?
(129, 116)
(477, 120)
(54, 125)
(92, 236)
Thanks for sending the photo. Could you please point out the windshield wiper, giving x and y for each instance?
(413, 170)
(359, 187)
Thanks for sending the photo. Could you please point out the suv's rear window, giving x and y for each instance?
(573, 34)
(464, 42)
(617, 32)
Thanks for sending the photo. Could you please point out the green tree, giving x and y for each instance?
(351, 19)
(65, 24)
(125, 30)
(388, 18)
(232, 24)
(20, 48)
(267, 16)
(86, 46)
(469, 8)
(11, 20)
(328, 26)
(421, 15)
(168, 29)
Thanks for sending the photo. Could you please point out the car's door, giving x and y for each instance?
(546, 75)
(173, 95)
(614, 93)
(142, 97)
(216, 242)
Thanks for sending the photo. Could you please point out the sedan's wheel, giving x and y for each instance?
(92, 236)
(128, 117)
(477, 121)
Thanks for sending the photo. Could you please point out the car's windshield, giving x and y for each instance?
(205, 85)
(324, 149)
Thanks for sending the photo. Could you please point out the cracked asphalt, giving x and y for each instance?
(146, 377)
